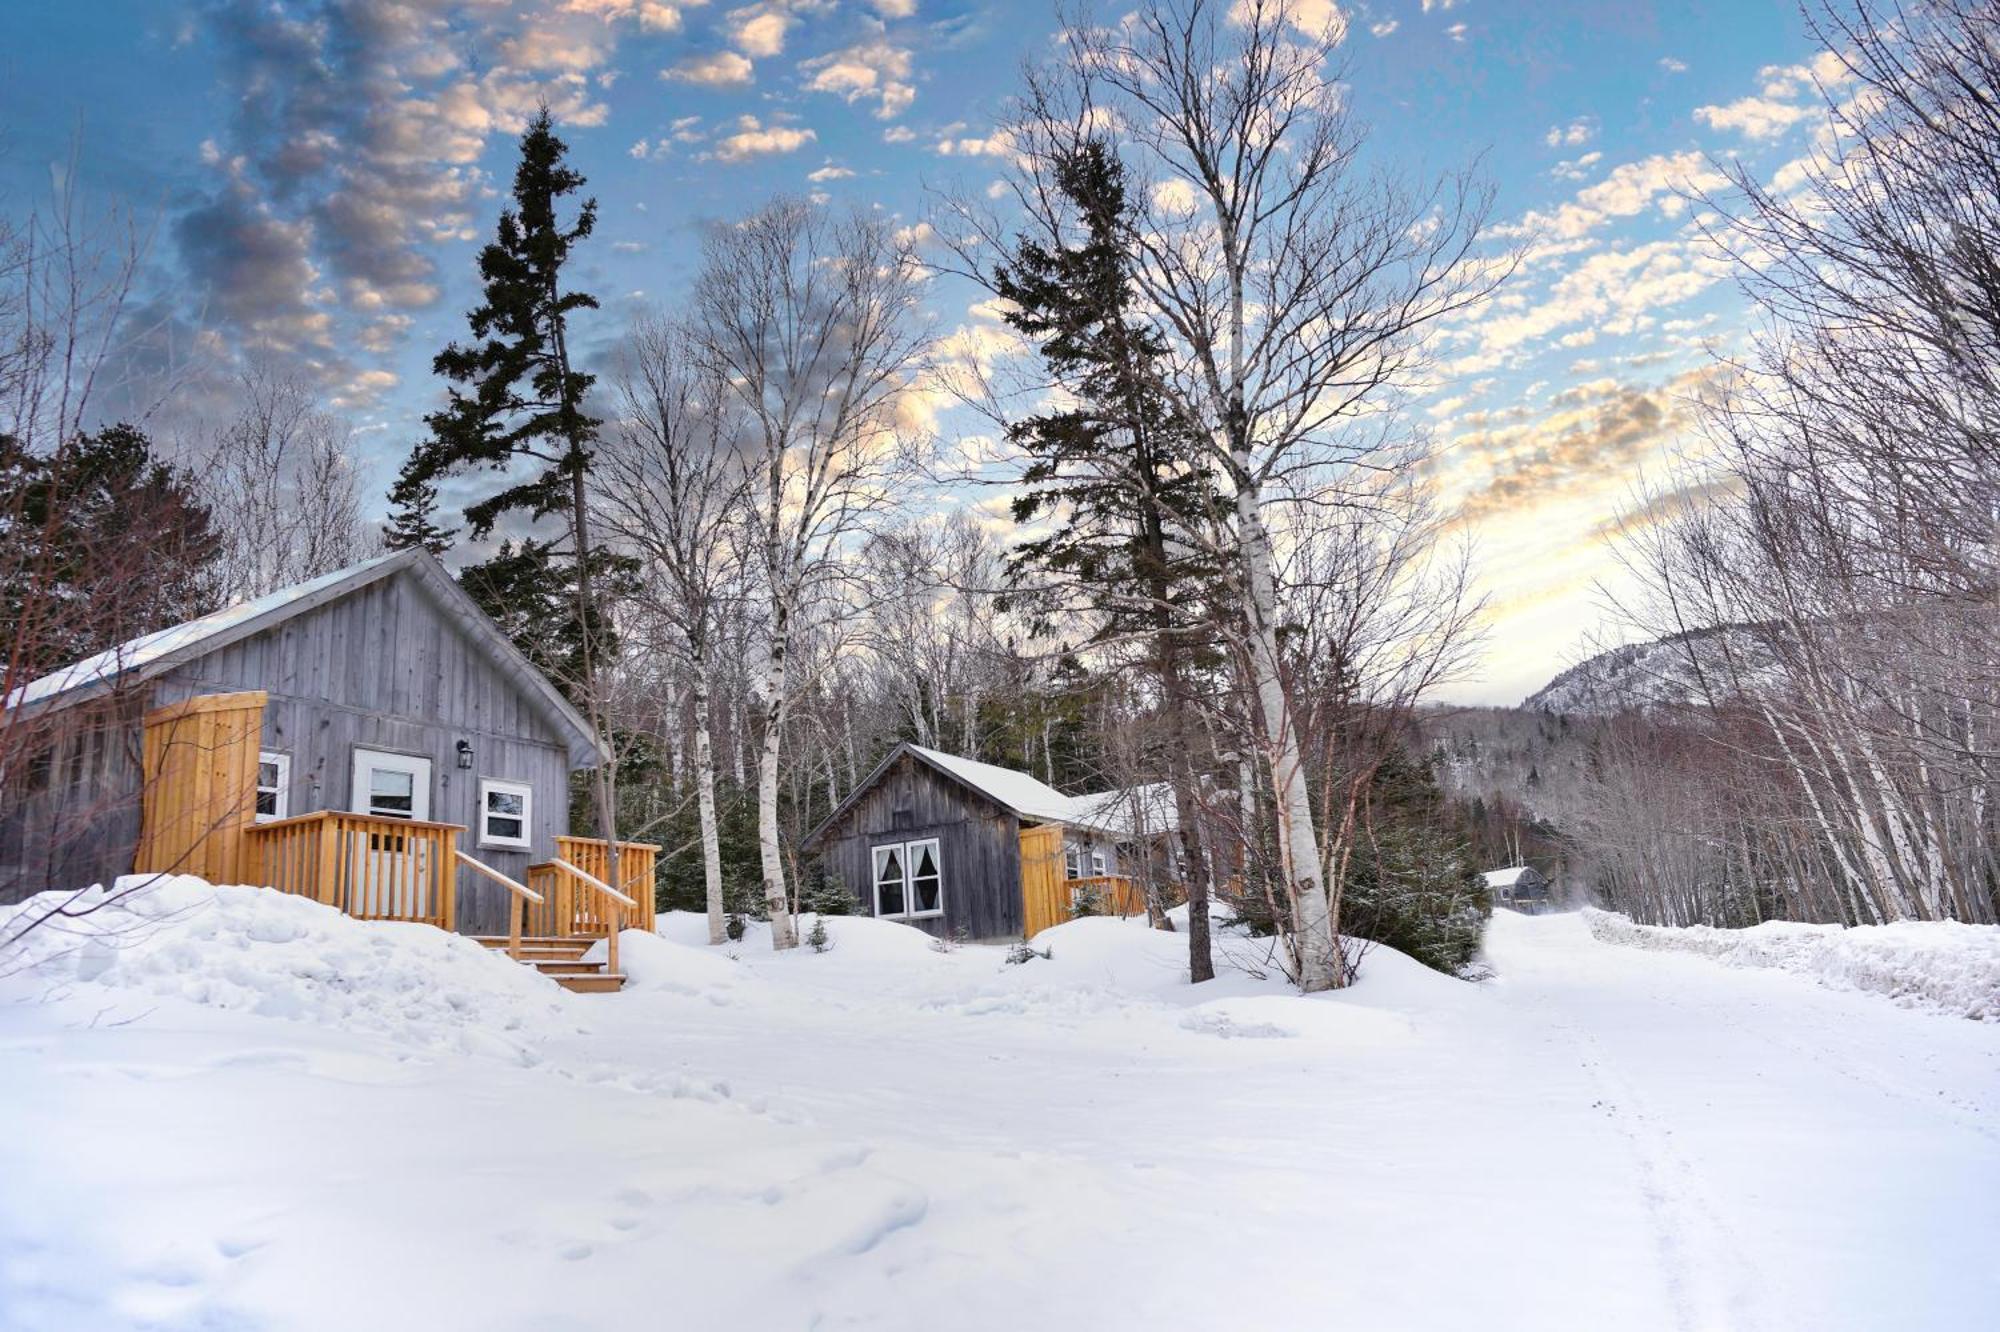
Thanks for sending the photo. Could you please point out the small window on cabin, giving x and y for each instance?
(504, 811)
(926, 883)
(274, 786)
(1072, 861)
(1097, 869)
(889, 881)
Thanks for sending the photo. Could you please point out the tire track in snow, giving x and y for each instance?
(1710, 1285)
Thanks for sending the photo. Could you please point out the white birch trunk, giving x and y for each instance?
(1305, 875)
(704, 776)
(769, 849)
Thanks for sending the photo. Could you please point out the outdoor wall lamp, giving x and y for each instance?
(464, 755)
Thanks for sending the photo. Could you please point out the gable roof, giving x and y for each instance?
(153, 654)
(1509, 878)
(1129, 812)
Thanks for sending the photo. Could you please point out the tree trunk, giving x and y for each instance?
(1298, 848)
(769, 848)
(704, 776)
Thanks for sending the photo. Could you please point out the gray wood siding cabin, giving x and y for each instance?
(977, 813)
(979, 847)
(389, 656)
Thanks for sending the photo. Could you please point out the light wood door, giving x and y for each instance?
(1044, 887)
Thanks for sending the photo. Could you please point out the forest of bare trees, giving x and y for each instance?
(1842, 518)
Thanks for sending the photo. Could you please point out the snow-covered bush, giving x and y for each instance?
(1943, 965)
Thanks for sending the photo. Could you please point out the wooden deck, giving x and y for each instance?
(371, 868)
(377, 868)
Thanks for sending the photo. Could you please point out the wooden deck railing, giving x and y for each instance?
(1119, 894)
(397, 869)
(519, 898)
(572, 907)
(371, 868)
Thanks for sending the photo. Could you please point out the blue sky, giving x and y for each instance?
(318, 175)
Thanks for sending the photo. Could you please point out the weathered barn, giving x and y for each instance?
(1520, 887)
(962, 848)
(369, 738)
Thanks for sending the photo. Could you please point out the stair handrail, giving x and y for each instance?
(617, 917)
(514, 904)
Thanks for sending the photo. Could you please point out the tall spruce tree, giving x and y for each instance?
(1114, 475)
(413, 514)
(516, 400)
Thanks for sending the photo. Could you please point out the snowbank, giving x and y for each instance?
(277, 955)
(1941, 965)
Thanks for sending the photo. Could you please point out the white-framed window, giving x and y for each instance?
(395, 786)
(1097, 867)
(274, 786)
(1072, 861)
(909, 880)
(505, 811)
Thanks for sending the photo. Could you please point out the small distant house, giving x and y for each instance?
(958, 847)
(1520, 888)
(369, 738)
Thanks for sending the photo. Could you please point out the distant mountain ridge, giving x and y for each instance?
(1664, 673)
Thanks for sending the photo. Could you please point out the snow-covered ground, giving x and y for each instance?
(253, 1113)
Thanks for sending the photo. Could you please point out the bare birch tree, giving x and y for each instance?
(293, 503)
(675, 476)
(810, 319)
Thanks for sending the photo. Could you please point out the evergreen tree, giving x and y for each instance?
(1115, 472)
(516, 399)
(413, 506)
(105, 542)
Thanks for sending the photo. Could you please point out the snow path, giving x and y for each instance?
(887, 1137)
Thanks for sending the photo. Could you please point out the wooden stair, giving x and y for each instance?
(561, 960)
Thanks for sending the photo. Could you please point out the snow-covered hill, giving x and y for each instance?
(1667, 672)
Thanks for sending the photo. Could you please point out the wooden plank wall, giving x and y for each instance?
(386, 668)
(70, 806)
(979, 851)
(200, 786)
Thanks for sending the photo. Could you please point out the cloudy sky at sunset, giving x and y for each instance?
(318, 174)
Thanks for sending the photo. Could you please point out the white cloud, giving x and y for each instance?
(1000, 143)
(1629, 189)
(1383, 29)
(1456, 32)
(1673, 66)
(872, 70)
(723, 69)
(829, 172)
(751, 138)
(1753, 117)
(759, 30)
(1576, 169)
(898, 134)
(649, 13)
(1573, 135)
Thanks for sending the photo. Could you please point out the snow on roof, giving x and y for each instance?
(138, 653)
(1508, 878)
(1131, 811)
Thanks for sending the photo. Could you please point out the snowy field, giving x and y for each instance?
(254, 1113)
